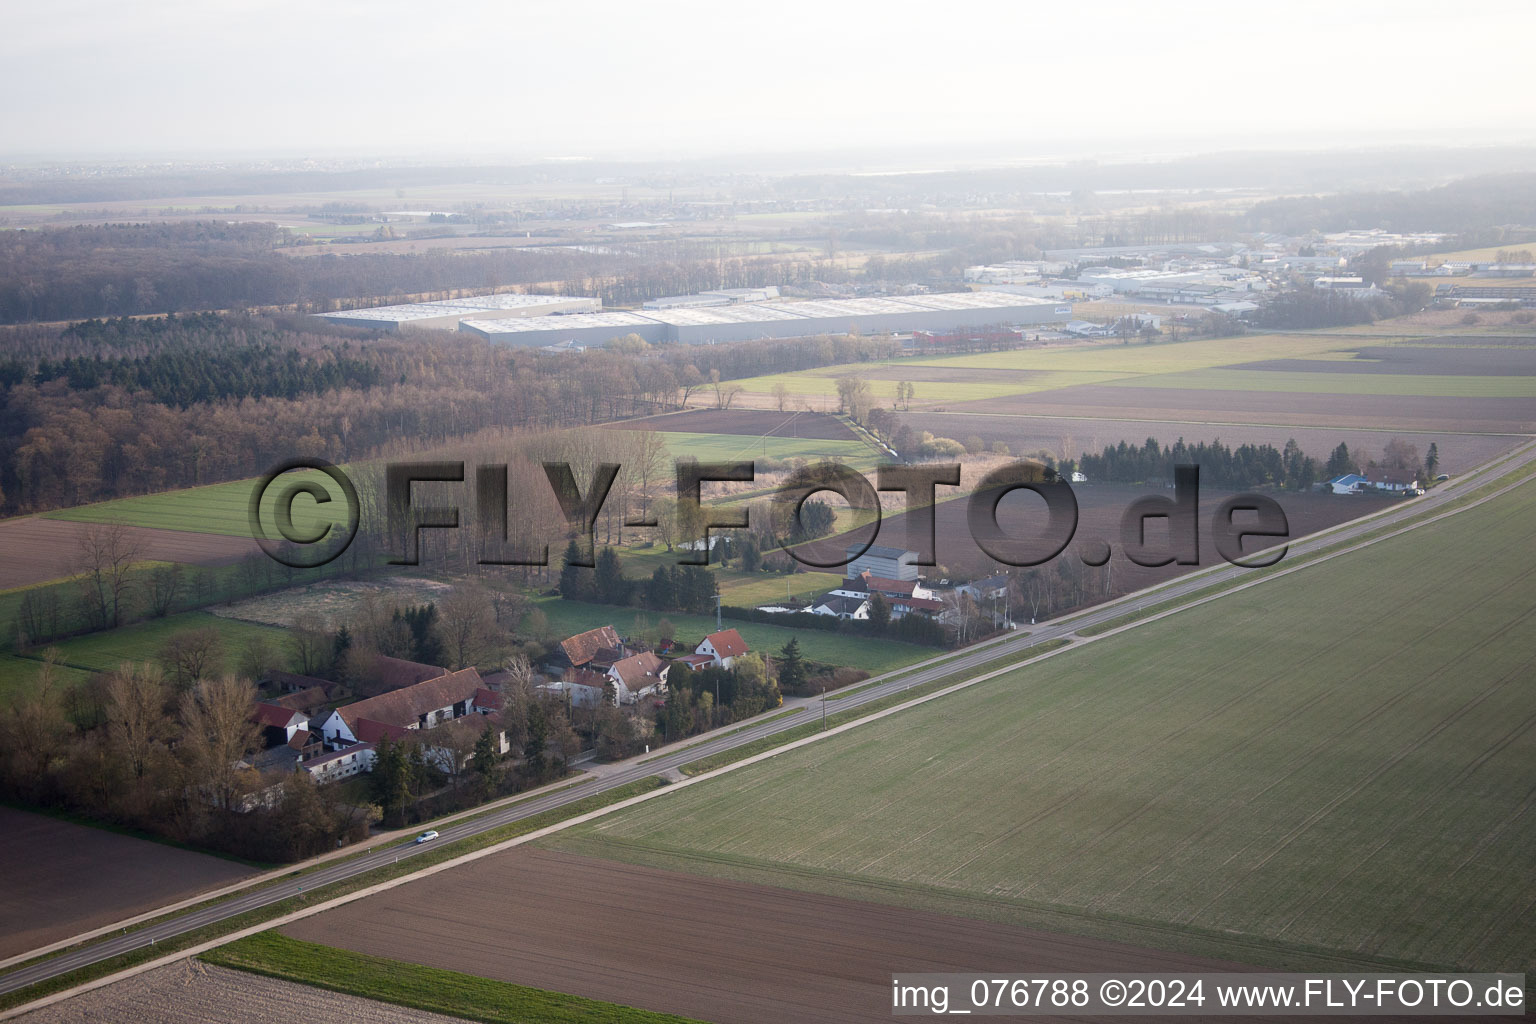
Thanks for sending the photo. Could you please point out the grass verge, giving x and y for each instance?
(725, 757)
(421, 988)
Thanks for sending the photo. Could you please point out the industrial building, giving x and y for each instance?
(446, 314)
(753, 320)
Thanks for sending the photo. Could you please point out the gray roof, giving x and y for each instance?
(879, 551)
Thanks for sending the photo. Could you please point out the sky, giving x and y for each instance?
(661, 80)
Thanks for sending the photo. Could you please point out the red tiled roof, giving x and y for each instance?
(727, 643)
(918, 604)
(870, 583)
(397, 673)
(405, 706)
(272, 716)
(489, 699)
(580, 648)
(640, 670)
(586, 677)
(696, 661)
(369, 731)
(302, 700)
(300, 739)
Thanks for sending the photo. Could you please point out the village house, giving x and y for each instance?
(638, 676)
(279, 725)
(596, 649)
(722, 648)
(418, 707)
(844, 606)
(340, 764)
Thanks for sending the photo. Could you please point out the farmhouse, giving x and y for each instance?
(279, 725)
(843, 606)
(414, 708)
(638, 676)
(722, 648)
(1349, 483)
(993, 588)
(595, 649)
(340, 764)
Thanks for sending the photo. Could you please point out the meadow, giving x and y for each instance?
(1336, 764)
(216, 508)
(143, 641)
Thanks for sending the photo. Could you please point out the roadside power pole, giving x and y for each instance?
(823, 708)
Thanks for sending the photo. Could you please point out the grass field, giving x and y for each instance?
(20, 675)
(1341, 760)
(216, 508)
(570, 617)
(423, 988)
(1407, 385)
(958, 378)
(143, 641)
(737, 447)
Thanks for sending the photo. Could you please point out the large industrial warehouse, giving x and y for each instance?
(446, 314)
(782, 319)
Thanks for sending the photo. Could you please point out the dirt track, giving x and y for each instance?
(717, 950)
(35, 550)
(62, 879)
(189, 992)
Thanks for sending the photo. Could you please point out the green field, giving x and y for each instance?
(569, 617)
(423, 988)
(1183, 364)
(19, 675)
(1337, 766)
(216, 508)
(143, 641)
(734, 447)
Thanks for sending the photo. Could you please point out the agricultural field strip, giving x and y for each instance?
(1240, 424)
(1406, 385)
(1251, 859)
(932, 669)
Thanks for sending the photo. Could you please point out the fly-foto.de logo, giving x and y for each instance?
(1236, 519)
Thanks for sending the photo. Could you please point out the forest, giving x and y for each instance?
(134, 406)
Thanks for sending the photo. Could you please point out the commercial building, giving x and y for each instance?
(446, 314)
(750, 321)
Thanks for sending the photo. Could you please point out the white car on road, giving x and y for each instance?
(427, 836)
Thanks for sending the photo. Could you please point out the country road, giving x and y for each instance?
(625, 772)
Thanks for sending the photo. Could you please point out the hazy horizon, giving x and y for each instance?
(92, 80)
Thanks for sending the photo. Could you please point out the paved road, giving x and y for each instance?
(623, 773)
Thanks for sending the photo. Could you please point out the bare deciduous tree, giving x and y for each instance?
(106, 556)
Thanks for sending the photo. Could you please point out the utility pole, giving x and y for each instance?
(823, 708)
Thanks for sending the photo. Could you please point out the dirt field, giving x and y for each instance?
(1372, 412)
(1415, 359)
(1071, 437)
(34, 550)
(718, 950)
(335, 601)
(1100, 508)
(749, 422)
(195, 993)
(63, 879)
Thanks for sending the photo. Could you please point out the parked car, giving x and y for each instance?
(427, 836)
